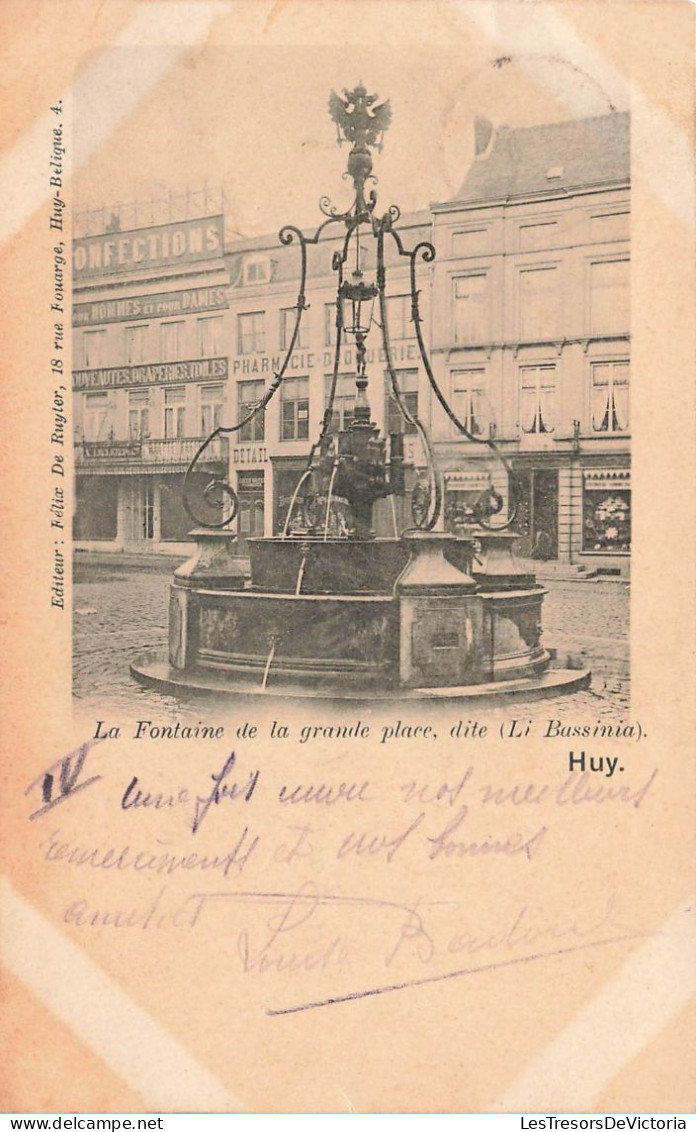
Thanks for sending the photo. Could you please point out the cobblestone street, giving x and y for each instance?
(121, 613)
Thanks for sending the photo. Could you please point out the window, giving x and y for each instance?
(610, 396)
(209, 337)
(294, 409)
(343, 402)
(94, 348)
(609, 296)
(139, 414)
(212, 399)
(469, 399)
(471, 308)
(257, 271)
(136, 344)
(329, 324)
(407, 380)
(287, 324)
(172, 340)
(249, 393)
(539, 303)
(97, 409)
(606, 517)
(251, 333)
(538, 398)
(399, 317)
(175, 412)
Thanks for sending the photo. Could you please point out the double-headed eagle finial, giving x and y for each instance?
(357, 119)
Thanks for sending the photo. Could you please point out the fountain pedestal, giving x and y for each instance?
(427, 615)
(441, 640)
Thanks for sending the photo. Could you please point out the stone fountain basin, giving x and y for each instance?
(334, 566)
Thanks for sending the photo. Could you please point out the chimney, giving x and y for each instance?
(483, 132)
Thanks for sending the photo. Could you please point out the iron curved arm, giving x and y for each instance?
(287, 235)
(427, 253)
(435, 479)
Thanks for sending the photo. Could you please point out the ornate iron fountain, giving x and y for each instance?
(329, 608)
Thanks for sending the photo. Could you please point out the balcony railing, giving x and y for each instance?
(169, 453)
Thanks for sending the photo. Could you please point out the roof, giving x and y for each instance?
(582, 151)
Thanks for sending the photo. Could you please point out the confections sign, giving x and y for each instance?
(164, 245)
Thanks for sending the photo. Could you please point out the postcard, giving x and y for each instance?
(348, 466)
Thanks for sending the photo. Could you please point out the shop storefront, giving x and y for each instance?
(607, 512)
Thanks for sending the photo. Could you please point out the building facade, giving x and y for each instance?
(151, 369)
(526, 316)
(531, 330)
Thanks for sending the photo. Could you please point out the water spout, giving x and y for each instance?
(300, 575)
(291, 508)
(328, 500)
(393, 511)
(269, 662)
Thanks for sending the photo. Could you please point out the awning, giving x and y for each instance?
(607, 479)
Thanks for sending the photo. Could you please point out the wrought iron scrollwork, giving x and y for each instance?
(426, 251)
(361, 123)
(227, 495)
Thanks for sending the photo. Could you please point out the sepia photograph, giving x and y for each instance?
(382, 453)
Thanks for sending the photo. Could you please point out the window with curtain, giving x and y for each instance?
(175, 412)
(610, 382)
(139, 414)
(469, 399)
(212, 398)
(538, 398)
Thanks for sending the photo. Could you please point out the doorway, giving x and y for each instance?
(250, 520)
(141, 517)
(537, 516)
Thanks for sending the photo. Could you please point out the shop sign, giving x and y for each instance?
(250, 481)
(111, 450)
(160, 373)
(163, 245)
(193, 300)
(401, 352)
(301, 362)
(249, 454)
